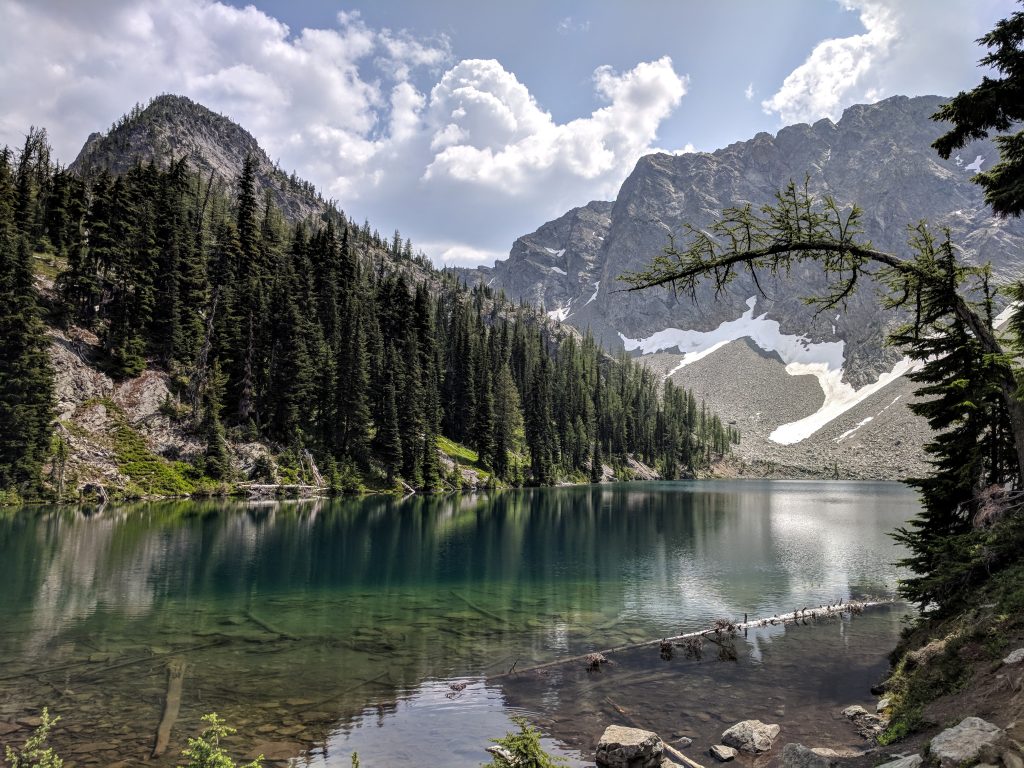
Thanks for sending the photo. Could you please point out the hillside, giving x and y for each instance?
(202, 342)
(878, 156)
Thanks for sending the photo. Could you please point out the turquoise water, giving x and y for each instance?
(319, 628)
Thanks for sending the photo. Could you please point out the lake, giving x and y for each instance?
(382, 626)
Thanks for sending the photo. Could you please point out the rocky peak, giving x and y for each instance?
(172, 127)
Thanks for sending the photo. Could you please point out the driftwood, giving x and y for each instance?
(267, 627)
(721, 627)
(172, 703)
(478, 609)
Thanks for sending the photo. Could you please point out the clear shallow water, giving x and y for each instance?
(322, 628)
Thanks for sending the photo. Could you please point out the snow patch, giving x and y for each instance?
(553, 252)
(1003, 317)
(559, 270)
(849, 432)
(976, 165)
(561, 313)
(823, 360)
(597, 289)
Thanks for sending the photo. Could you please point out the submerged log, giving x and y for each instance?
(172, 703)
(478, 609)
(721, 627)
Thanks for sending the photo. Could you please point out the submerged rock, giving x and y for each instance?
(912, 761)
(723, 753)
(751, 736)
(973, 740)
(799, 756)
(622, 747)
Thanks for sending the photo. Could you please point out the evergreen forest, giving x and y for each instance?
(322, 337)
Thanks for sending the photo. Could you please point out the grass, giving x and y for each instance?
(47, 265)
(458, 451)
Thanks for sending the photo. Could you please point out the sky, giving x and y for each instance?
(467, 123)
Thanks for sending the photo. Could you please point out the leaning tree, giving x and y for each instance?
(968, 371)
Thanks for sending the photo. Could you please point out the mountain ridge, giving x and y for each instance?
(877, 156)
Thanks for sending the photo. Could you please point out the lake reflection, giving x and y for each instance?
(296, 620)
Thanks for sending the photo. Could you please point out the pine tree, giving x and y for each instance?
(26, 377)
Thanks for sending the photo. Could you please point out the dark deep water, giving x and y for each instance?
(319, 628)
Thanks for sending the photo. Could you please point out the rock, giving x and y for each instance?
(29, 722)
(883, 704)
(799, 756)
(276, 750)
(505, 754)
(973, 740)
(683, 742)
(868, 725)
(622, 747)
(723, 753)
(913, 761)
(751, 736)
(1012, 759)
(1015, 658)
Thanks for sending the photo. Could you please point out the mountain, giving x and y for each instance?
(173, 127)
(877, 156)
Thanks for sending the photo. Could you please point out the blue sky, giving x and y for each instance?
(467, 124)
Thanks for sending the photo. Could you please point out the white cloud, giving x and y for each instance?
(909, 47)
(748, 92)
(467, 165)
(837, 68)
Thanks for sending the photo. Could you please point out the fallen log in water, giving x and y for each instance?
(172, 703)
(721, 627)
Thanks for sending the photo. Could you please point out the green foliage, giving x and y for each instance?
(206, 752)
(524, 745)
(35, 753)
(151, 475)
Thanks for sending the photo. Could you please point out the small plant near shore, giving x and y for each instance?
(524, 749)
(206, 752)
(35, 753)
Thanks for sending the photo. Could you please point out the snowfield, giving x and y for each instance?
(802, 357)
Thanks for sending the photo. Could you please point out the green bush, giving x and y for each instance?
(524, 745)
(35, 753)
(206, 752)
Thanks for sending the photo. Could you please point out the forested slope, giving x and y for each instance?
(321, 341)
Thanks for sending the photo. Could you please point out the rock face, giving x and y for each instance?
(622, 747)
(174, 127)
(751, 736)
(972, 741)
(913, 761)
(878, 156)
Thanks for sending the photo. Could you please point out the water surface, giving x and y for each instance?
(320, 628)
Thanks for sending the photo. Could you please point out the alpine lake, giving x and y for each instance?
(389, 627)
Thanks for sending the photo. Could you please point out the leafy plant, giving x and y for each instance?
(206, 752)
(524, 748)
(35, 753)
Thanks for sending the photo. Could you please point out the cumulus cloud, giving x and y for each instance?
(463, 166)
(907, 47)
(837, 67)
(748, 92)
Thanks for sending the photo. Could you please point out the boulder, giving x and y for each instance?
(799, 756)
(723, 753)
(622, 747)
(883, 704)
(913, 761)
(1015, 658)
(972, 741)
(868, 725)
(751, 736)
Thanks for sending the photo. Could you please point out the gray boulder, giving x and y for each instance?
(723, 753)
(799, 756)
(972, 741)
(1015, 658)
(913, 761)
(751, 736)
(622, 747)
